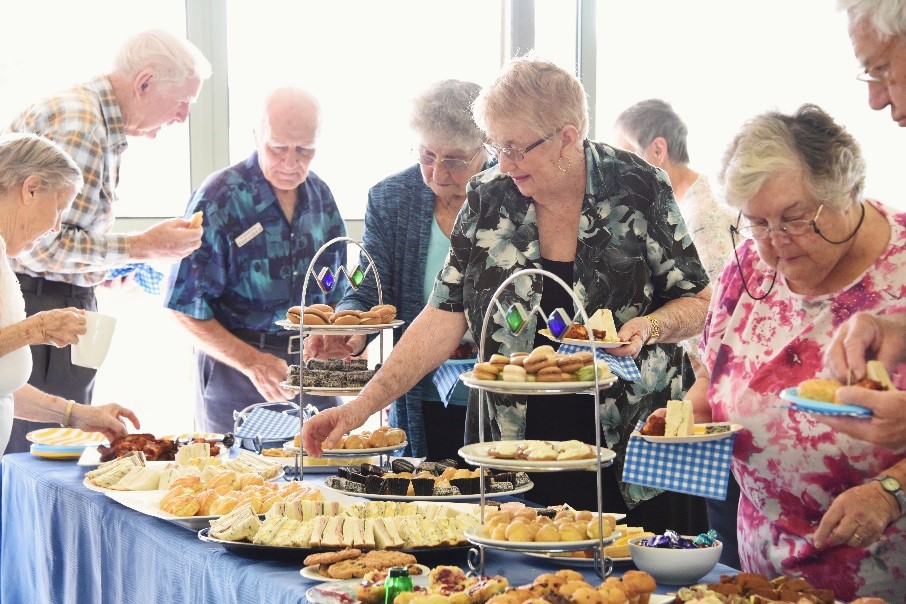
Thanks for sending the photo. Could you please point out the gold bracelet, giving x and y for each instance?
(68, 414)
(655, 330)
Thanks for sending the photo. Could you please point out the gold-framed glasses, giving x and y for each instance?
(426, 158)
(793, 228)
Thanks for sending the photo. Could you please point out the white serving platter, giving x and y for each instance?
(477, 454)
(535, 388)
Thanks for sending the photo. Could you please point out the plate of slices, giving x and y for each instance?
(313, 572)
(474, 536)
(598, 343)
(822, 408)
(701, 435)
(322, 391)
(502, 387)
(440, 498)
(290, 447)
(503, 455)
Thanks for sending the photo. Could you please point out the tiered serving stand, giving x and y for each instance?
(558, 322)
(327, 281)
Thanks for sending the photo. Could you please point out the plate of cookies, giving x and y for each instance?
(321, 318)
(353, 563)
(369, 442)
(536, 455)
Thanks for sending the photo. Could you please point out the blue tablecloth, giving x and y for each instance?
(60, 542)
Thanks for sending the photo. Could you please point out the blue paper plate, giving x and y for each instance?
(822, 408)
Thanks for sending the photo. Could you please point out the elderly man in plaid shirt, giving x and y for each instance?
(155, 78)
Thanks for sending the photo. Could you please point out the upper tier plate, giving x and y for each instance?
(478, 454)
(289, 446)
(340, 329)
(534, 387)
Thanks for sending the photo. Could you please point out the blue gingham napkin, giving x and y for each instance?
(623, 367)
(268, 424)
(701, 468)
(446, 377)
(145, 275)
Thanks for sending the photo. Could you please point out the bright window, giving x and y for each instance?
(723, 63)
(364, 61)
(48, 45)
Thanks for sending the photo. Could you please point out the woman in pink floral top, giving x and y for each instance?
(815, 253)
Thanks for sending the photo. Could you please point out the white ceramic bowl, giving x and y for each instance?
(675, 566)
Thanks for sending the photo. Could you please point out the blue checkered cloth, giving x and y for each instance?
(446, 377)
(269, 425)
(145, 275)
(623, 367)
(701, 468)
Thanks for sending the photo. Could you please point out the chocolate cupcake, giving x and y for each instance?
(375, 485)
(397, 486)
(467, 486)
(402, 465)
(505, 477)
(423, 487)
(372, 470)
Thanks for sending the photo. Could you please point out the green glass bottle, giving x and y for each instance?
(398, 581)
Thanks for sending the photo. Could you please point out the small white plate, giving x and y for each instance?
(477, 453)
(598, 343)
(538, 546)
(695, 438)
(311, 572)
(289, 446)
(821, 408)
(488, 495)
(502, 387)
(65, 437)
(343, 592)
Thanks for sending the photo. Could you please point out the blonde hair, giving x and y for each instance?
(808, 141)
(535, 93)
(443, 114)
(173, 59)
(24, 154)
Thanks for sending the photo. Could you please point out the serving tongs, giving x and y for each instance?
(228, 440)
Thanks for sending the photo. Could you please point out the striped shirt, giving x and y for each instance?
(87, 122)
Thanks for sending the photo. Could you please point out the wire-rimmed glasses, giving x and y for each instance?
(515, 154)
(452, 164)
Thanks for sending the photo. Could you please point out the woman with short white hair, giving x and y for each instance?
(38, 181)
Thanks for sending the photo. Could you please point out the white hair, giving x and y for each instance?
(886, 17)
(173, 59)
(24, 154)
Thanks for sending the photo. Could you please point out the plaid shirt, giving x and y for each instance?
(87, 122)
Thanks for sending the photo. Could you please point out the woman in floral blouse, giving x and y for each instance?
(601, 219)
(815, 253)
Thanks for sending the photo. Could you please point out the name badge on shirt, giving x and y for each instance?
(250, 234)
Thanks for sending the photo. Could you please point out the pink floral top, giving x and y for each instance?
(790, 466)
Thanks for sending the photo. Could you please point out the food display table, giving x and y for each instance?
(60, 542)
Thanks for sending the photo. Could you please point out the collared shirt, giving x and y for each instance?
(87, 123)
(246, 280)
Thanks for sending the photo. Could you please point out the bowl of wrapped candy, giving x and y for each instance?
(675, 559)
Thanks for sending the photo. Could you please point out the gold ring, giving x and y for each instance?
(856, 537)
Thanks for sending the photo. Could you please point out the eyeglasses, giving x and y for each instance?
(793, 228)
(448, 163)
(873, 74)
(281, 150)
(515, 154)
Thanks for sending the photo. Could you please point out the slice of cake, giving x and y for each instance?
(602, 321)
(679, 419)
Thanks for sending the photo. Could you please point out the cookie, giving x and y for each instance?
(332, 557)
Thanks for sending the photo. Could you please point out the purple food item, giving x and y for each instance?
(671, 540)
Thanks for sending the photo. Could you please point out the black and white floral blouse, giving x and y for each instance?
(634, 254)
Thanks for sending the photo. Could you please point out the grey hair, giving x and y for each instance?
(443, 114)
(535, 93)
(649, 119)
(173, 59)
(25, 154)
(886, 17)
(808, 141)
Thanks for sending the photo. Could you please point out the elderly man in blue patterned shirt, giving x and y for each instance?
(264, 220)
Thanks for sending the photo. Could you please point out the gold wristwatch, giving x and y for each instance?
(892, 486)
(655, 330)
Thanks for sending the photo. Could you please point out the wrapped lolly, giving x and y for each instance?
(670, 540)
(706, 539)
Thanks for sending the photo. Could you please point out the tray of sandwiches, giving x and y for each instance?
(429, 481)
(295, 530)
(135, 473)
(321, 318)
(679, 427)
(536, 455)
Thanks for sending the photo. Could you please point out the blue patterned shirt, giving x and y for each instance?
(251, 284)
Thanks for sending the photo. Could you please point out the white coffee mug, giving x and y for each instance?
(91, 349)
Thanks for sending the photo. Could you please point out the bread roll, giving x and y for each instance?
(819, 390)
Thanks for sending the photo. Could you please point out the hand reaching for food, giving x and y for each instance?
(332, 347)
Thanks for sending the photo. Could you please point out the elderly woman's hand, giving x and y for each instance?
(636, 332)
(329, 425)
(886, 426)
(866, 336)
(106, 419)
(332, 347)
(59, 327)
(857, 517)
